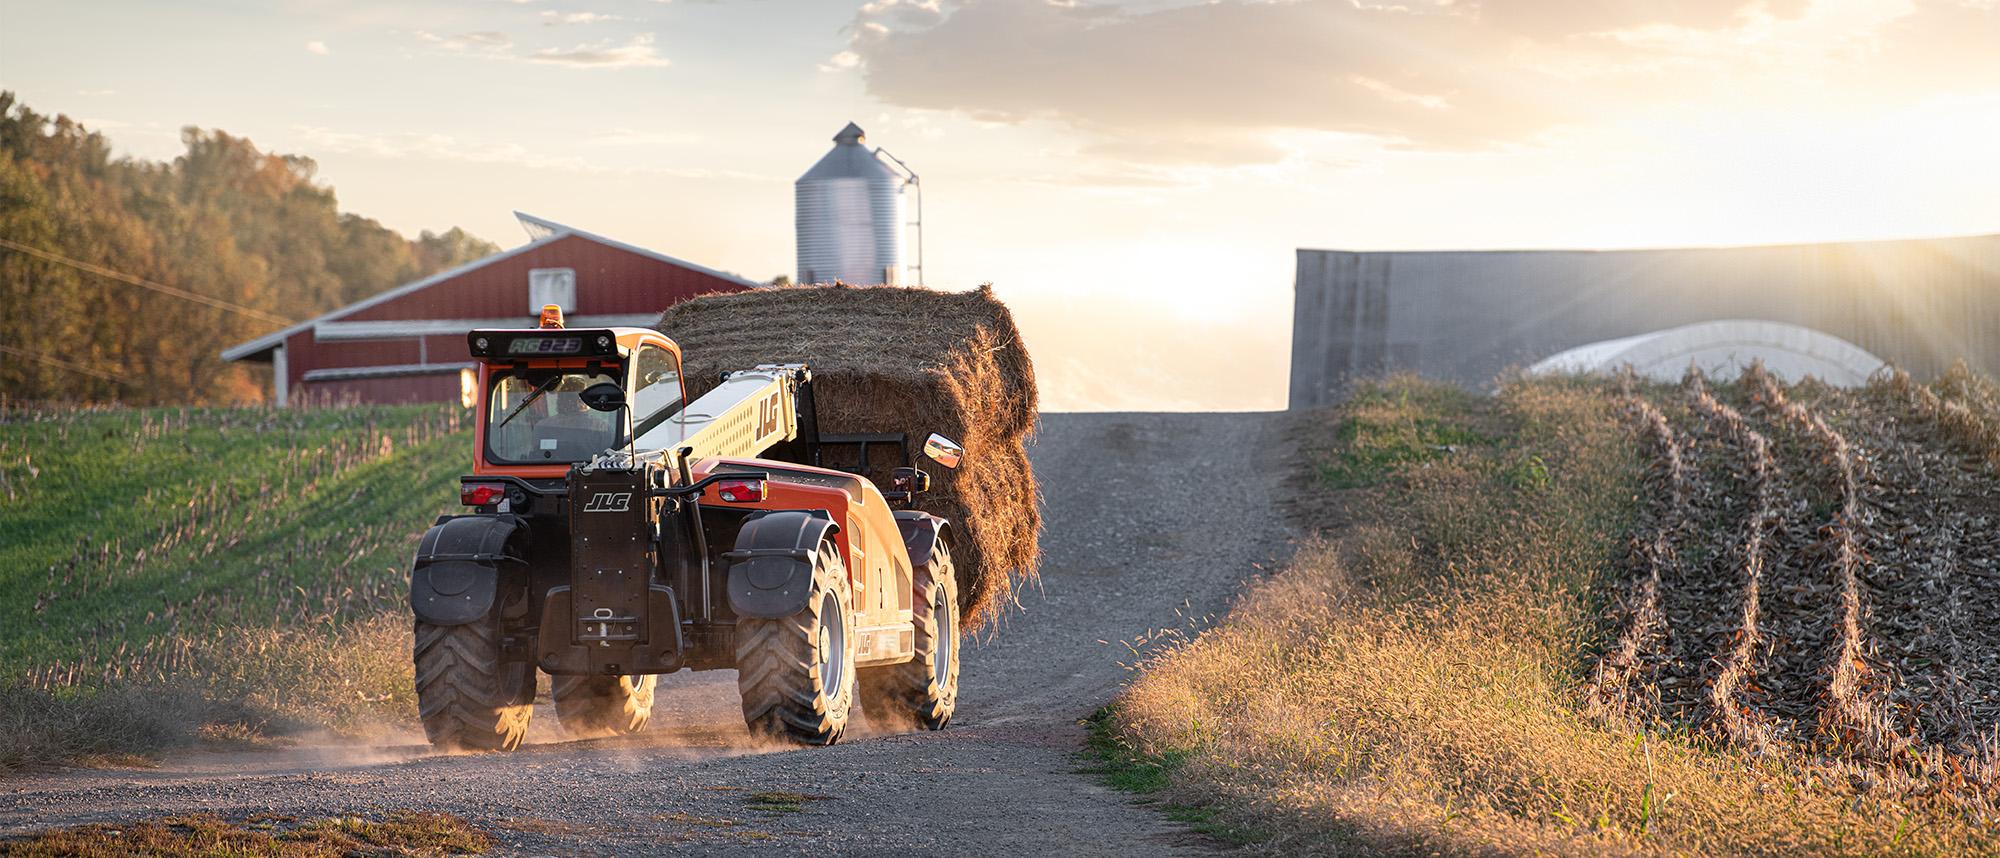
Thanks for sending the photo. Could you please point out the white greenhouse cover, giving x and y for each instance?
(1722, 349)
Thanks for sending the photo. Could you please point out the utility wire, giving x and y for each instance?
(141, 282)
(58, 362)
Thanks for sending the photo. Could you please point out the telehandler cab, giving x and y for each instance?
(617, 532)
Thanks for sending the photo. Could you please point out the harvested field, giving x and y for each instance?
(913, 361)
(168, 576)
(1592, 617)
(1827, 605)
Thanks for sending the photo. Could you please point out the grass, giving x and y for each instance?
(1413, 682)
(779, 801)
(210, 836)
(1384, 429)
(1113, 758)
(240, 570)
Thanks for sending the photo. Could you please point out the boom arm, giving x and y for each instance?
(750, 412)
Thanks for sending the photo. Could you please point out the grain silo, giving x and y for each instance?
(850, 216)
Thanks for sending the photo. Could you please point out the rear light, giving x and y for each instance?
(481, 494)
(740, 491)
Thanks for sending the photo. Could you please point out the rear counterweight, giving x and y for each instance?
(615, 616)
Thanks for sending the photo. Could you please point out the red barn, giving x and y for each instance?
(408, 344)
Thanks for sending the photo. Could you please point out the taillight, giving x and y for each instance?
(481, 494)
(740, 491)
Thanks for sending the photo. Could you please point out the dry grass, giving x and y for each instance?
(903, 360)
(1422, 680)
(209, 836)
(241, 686)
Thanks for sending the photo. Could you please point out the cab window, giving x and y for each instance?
(536, 418)
(656, 388)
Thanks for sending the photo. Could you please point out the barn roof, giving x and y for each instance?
(541, 231)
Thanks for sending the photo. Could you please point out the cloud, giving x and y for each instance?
(637, 53)
(605, 55)
(490, 43)
(640, 51)
(841, 62)
(96, 92)
(914, 12)
(631, 137)
(1218, 81)
(317, 47)
(552, 18)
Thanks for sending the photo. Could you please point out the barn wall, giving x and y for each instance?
(609, 281)
(1469, 316)
(304, 354)
(394, 390)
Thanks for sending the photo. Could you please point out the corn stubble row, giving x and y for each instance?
(1809, 574)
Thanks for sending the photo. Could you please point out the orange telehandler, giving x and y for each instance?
(617, 532)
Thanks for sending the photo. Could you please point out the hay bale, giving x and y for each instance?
(914, 361)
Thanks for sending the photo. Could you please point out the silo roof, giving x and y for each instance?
(849, 159)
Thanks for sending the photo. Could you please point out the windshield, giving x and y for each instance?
(535, 418)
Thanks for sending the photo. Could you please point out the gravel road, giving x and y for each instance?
(1154, 521)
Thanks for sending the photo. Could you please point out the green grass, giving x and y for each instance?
(1384, 428)
(125, 528)
(1112, 757)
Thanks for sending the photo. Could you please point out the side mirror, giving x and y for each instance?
(943, 451)
(604, 396)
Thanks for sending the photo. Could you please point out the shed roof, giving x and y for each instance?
(1790, 352)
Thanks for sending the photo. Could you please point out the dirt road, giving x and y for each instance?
(1154, 520)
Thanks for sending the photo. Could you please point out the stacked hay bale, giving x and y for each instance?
(913, 361)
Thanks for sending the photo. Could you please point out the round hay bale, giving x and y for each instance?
(914, 361)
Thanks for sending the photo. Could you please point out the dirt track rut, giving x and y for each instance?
(1154, 520)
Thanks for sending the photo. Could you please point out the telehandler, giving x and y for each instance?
(617, 532)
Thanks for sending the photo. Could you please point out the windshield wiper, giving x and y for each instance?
(537, 394)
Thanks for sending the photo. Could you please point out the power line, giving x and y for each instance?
(59, 362)
(141, 282)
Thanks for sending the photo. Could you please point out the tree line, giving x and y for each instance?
(251, 234)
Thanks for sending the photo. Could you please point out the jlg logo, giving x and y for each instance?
(767, 417)
(609, 502)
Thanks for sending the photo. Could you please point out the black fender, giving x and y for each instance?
(921, 533)
(455, 578)
(771, 568)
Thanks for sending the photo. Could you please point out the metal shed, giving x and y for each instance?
(1468, 316)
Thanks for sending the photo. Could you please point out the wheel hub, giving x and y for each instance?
(832, 645)
(946, 637)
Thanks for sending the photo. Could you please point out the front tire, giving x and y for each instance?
(925, 688)
(796, 673)
(469, 697)
(603, 705)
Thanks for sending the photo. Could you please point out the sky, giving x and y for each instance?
(1133, 177)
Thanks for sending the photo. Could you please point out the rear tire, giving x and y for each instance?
(796, 673)
(923, 689)
(603, 705)
(470, 699)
